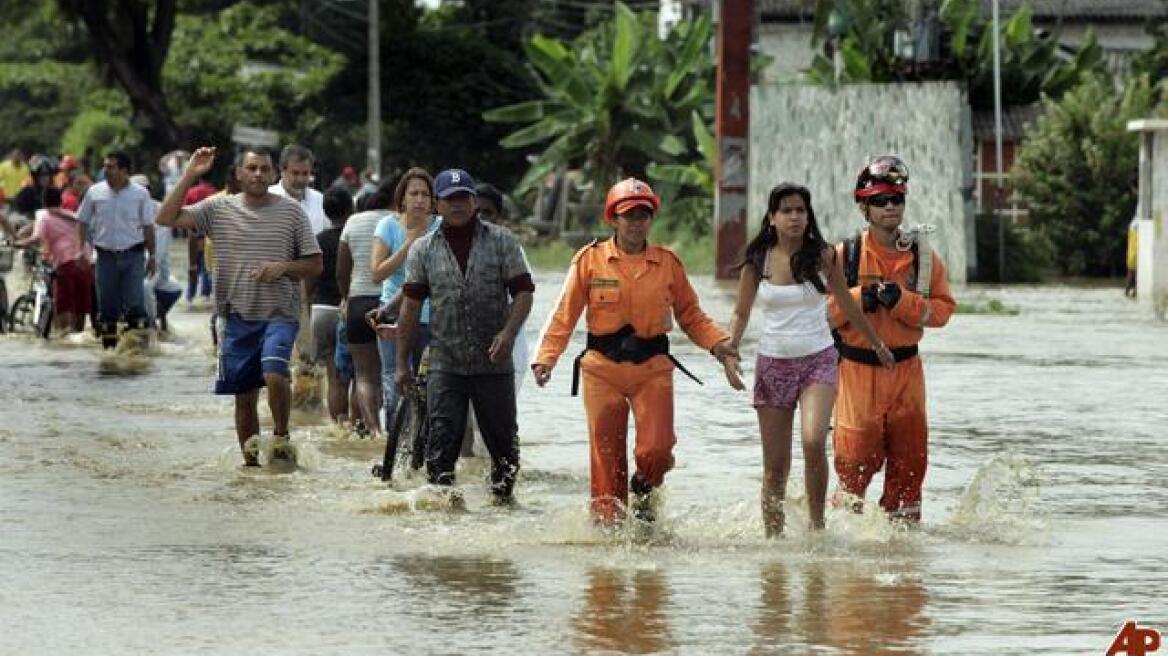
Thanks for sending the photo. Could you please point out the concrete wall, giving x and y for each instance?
(789, 45)
(1152, 266)
(820, 138)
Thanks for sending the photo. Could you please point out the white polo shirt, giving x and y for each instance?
(116, 219)
(313, 205)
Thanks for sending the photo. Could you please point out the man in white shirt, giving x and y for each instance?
(295, 173)
(120, 217)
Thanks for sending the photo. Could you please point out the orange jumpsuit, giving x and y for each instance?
(645, 290)
(880, 414)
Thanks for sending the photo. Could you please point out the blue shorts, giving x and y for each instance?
(250, 349)
(342, 359)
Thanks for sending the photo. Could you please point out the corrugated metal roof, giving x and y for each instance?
(1098, 9)
(1043, 9)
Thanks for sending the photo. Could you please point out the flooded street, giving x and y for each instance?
(128, 527)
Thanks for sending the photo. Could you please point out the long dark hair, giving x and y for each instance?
(806, 262)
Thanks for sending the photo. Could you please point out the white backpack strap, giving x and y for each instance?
(925, 254)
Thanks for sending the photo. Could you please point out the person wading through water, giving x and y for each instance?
(790, 269)
(632, 290)
(901, 285)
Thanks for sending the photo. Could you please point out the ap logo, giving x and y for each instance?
(1134, 641)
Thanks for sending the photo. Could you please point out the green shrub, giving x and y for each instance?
(1027, 252)
(1077, 173)
(992, 306)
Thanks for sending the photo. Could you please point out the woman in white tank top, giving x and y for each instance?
(790, 269)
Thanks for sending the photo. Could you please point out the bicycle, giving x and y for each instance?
(33, 310)
(410, 432)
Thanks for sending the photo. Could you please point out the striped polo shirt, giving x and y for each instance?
(246, 237)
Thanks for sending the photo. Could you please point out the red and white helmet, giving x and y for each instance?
(627, 194)
(886, 174)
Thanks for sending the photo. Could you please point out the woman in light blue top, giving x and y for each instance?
(413, 198)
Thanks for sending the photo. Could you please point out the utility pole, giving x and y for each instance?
(732, 129)
(373, 161)
(998, 187)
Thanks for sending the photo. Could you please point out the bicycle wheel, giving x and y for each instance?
(20, 317)
(44, 322)
(419, 432)
(3, 306)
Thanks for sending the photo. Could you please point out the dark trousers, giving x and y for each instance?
(119, 285)
(200, 279)
(493, 396)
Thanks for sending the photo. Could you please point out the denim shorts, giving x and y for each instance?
(341, 358)
(250, 349)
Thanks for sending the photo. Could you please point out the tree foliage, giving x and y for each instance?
(1077, 172)
(131, 40)
(1031, 64)
(614, 99)
(240, 66)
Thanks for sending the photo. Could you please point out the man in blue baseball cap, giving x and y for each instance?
(480, 290)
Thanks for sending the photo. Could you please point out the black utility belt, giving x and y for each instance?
(625, 346)
(869, 357)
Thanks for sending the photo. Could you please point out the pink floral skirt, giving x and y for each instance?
(778, 382)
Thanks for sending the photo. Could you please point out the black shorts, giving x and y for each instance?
(357, 327)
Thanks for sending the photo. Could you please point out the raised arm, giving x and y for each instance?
(384, 264)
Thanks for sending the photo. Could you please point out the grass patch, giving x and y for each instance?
(552, 255)
(992, 306)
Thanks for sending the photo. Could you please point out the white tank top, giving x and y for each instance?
(794, 320)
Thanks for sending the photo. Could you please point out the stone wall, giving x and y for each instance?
(820, 137)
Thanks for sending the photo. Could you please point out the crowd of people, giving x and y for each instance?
(360, 279)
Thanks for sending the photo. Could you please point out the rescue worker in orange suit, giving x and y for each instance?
(632, 290)
(880, 416)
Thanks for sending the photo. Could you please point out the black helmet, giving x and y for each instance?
(42, 165)
(886, 174)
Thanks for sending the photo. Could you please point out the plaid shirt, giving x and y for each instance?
(467, 312)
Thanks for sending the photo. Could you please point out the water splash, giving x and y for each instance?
(134, 353)
(427, 498)
(997, 506)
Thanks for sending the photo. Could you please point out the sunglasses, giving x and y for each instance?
(885, 199)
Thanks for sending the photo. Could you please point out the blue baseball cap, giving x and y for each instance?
(453, 181)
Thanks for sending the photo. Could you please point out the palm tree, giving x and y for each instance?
(615, 98)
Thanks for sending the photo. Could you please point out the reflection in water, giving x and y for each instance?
(835, 605)
(486, 580)
(624, 612)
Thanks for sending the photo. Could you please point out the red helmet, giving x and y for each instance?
(627, 194)
(886, 174)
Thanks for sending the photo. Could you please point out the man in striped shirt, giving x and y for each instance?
(264, 247)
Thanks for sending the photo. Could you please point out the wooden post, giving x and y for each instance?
(732, 129)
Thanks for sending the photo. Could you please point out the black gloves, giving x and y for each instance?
(869, 297)
(877, 294)
(888, 294)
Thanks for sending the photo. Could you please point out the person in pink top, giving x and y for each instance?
(62, 240)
